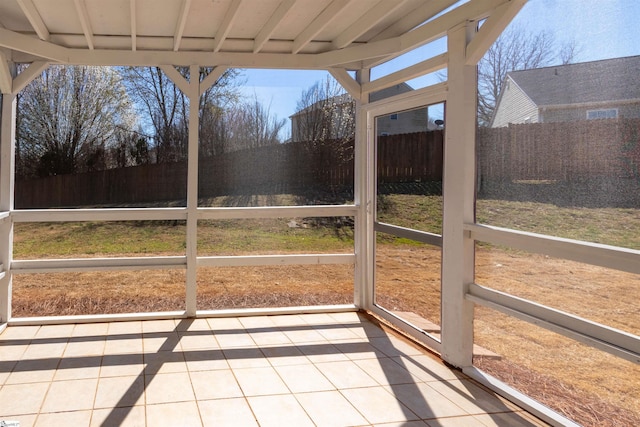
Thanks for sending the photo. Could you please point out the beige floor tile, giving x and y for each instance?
(24, 420)
(121, 365)
(470, 397)
(166, 388)
(279, 411)
(318, 319)
(238, 358)
(377, 405)
(153, 326)
(283, 355)
(19, 333)
(5, 370)
(357, 350)
(425, 401)
(90, 330)
(41, 349)
(205, 360)
(511, 419)
(81, 348)
(427, 368)
(270, 337)
(393, 346)
(123, 344)
(182, 414)
(346, 375)
(322, 351)
(385, 371)
(260, 381)
(193, 325)
(73, 395)
(287, 320)
(345, 317)
(197, 340)
(22, 399)
(161, 341)
(133, 416)
(225, 324)
(220, 384)
(120, 391)
(335, 332)
(226, 413)
(303, 335)
(164, 362)
(78, 368)
(229, 340)
(54, 331)
(12, 352)
(73, 418)
(330, 408)
(304, 378)
(256, 322)
(368, 330)
(33, 371)
(467, 421)
(123, 328)
(416, 423)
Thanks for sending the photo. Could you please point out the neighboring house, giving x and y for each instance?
(343, 113)
(588, 90)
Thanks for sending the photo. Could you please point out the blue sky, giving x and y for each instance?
(601, 28)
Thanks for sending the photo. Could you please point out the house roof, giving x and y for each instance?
(586, 82)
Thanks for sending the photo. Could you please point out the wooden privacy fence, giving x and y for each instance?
(564, 151)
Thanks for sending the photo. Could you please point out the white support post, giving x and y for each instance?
(362, 186)
(459, 196)
(7, 168)
(192, 190)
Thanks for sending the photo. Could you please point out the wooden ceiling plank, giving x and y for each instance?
(32, 14)
(414, 18)
(83, 14)
(134, 25)
(491, 30)
(33, 46)
(318, 24)
(372, 17)
(227, 23)
(182, 22)
(272, 24)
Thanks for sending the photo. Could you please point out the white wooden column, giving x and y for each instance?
(459, 195)
(7, 176)
(192, 190)
(362, 194)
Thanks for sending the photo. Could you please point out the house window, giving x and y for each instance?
(609, 113)
(393, 117)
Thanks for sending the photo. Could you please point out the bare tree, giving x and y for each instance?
(325, 112)
(166, 109)
(516, 49)
(251, 125)
(68, 118)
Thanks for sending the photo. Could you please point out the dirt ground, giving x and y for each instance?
(590, 386)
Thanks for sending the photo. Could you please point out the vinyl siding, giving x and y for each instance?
(514, 106)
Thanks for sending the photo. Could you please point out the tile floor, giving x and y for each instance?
(330, 369)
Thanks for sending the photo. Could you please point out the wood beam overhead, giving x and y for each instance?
(318, 24)
(272, 24)
(83, 15)
(182, 21)
(372, 17)
(134, 25)
(6, 80)
(227, 23)
(32, 14)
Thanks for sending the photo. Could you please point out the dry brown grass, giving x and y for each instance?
(587, 385)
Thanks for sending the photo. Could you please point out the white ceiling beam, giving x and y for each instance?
(134, 25)
(27, 75)
(272, 24)
(182, 22)
(32, 14)
(471, 11)
(372, 17)
(420, 69)
(348, 83)
(32, 46)
(211, 78)
(227, 23)
(414, 18)
(318, 24)
(83, 14)
(491, 30)
(176, 77)
(6, 80)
